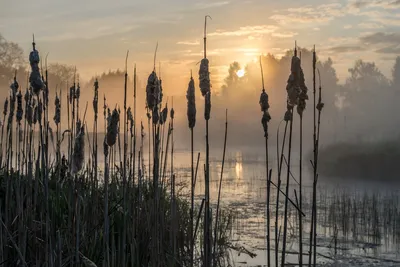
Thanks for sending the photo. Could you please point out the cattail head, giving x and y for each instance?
(29, 114)
(156, 115)
(160, 92)
(96, 98)
(5, 107)
(27, 96)
(204, 77)
(105, 147)
(264, 101)
(264, 121)
(191, 104)
(112, 127)
(19, 107)
(303, 96)
(288, 115)
(172, 113)
(78, 92)
(130, 119)
(293, 88)
(164, 115)
(78, 156)
(152, 91)
(57, 115)
(35, 79)
(71, 93)
(14, 86)
(207, 106)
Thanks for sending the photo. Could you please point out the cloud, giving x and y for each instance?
(385, 4)
(247, 31)
(369, 25)
(345, 49)
(204, 5)
(394, 49)
(284, 34)
(310, 14)
(188, 43)
(381, 38)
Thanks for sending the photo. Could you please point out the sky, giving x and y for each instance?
(94, 35)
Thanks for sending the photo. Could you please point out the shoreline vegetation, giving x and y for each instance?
(61, 210)
(362, 161)
(57, 208)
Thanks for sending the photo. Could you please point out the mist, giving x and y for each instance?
(362, 109)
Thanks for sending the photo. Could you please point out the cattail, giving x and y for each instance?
(160, 92)
(156, 115)
(35, 79)
(204, 77)
(11, 114)
(164, 115)
(191, 104)
(172, 113)
(112, 127)
(105, 148)
(152, 89)
(27, 96)
(264, 101)
(57, 116)
(14, 86)
(71, 93)
(29, 114)
(78, 155)
(264, 121)
(19, 107)
(207, 106)
(301, 106)
(96, 98)
(293, 89)
(5, 107)
(78, 126)
(288, 115)
(77, 94)
(130, 119)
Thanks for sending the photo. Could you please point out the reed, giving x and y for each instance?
(191, 115)
(205, 88)
(264, 104)
(61, 209)
(292, 100)
(217, 213)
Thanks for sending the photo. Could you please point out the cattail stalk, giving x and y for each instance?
(264, 121)
(124, 165)
(205, 87)
(315, 156)
(215, 251)
(280, 163)
(191, 114)
(291, 102)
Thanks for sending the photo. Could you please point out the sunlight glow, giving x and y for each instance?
(240, 73)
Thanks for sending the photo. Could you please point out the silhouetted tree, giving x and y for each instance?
(396, 74)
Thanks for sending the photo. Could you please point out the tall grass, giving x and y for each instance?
(63, 211)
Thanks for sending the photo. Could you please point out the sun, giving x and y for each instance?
(240, 73)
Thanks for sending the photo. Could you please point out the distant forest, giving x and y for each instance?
(362, 108)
